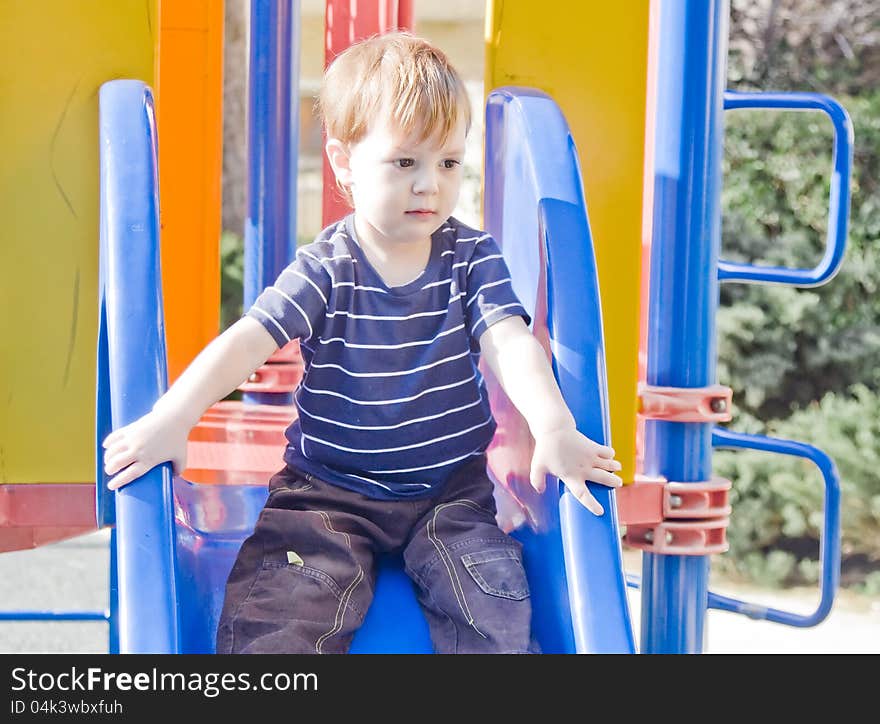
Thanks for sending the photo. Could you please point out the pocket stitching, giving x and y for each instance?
(470, 564)
(315, 574)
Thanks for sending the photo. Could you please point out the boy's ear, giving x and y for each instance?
(340, 160)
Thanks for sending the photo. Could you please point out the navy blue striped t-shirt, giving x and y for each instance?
(392, 400)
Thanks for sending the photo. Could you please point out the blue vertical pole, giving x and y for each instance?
(113, 628)
(273, 100)
(684, 291)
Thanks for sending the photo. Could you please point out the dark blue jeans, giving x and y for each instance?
(302, 583)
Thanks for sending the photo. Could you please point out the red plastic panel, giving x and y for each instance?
(38, 513)
(238, 444)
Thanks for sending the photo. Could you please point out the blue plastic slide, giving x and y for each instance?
(176, 541)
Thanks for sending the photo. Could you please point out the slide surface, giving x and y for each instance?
(534, 206)
(176, 542)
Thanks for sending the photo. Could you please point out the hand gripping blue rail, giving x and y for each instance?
(838, 205)
(131, 371)
(829, 548)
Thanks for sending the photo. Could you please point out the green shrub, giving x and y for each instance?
(778, 500)
(781, 348)
(231, 277)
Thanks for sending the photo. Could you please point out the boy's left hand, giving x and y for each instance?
(574, 458)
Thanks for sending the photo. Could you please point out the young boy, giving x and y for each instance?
(393, 307)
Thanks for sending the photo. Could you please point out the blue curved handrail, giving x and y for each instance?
(829, 543)
(131, 365)
(838, 203)
(534, 206)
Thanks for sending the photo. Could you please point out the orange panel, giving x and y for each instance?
(190, 121)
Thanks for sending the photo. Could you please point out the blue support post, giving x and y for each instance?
(684, 292)
(273, 101)
(113, 619)
(134, 374)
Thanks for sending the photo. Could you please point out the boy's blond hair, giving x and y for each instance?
(397, 72)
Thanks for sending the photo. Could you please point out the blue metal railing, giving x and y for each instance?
(838, 219)
(829, 543)
(132, 372)
(838, 203)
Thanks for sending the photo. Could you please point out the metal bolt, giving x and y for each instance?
(718, 404)
(675, 501)
(649, 536)
(254, 377)
(669, 537)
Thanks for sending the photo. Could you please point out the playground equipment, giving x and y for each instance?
(534, 205)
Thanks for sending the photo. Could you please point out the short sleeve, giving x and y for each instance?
(294, 306)
(490, 296)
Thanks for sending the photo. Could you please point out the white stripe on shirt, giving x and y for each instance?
(342, 313)
(491, 312)
(298, 308)
(426, 467)
(403, 447)
(303, 276)
(272, 319)
(393, 346)
(338, 423)
(389, 402)
(485, 258)
(486, 286)
(396, 373)
(478, 239)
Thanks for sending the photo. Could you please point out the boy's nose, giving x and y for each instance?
(426, 183)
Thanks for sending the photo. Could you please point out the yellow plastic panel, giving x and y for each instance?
(54, 56)
(592, 58)
(190, 120)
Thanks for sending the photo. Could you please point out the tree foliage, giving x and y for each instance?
(802, 362)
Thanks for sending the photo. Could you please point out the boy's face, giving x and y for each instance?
(403, 188)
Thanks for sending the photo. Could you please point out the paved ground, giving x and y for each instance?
(73, 574)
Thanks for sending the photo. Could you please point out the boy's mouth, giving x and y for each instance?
(420, 213)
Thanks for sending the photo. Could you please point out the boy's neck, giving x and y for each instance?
(398, 263)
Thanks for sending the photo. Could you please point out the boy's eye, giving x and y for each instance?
(405, 162)
(451, 163)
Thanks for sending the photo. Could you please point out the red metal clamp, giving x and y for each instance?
(683, 538)
(676, 518)
(685, 404)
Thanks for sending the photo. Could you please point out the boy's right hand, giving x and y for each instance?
(145, 443)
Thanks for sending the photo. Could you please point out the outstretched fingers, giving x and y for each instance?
(604, 477)
(605, 451)
(579, 489)
(609, 464)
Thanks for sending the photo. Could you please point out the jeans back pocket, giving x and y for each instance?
(498, 572)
